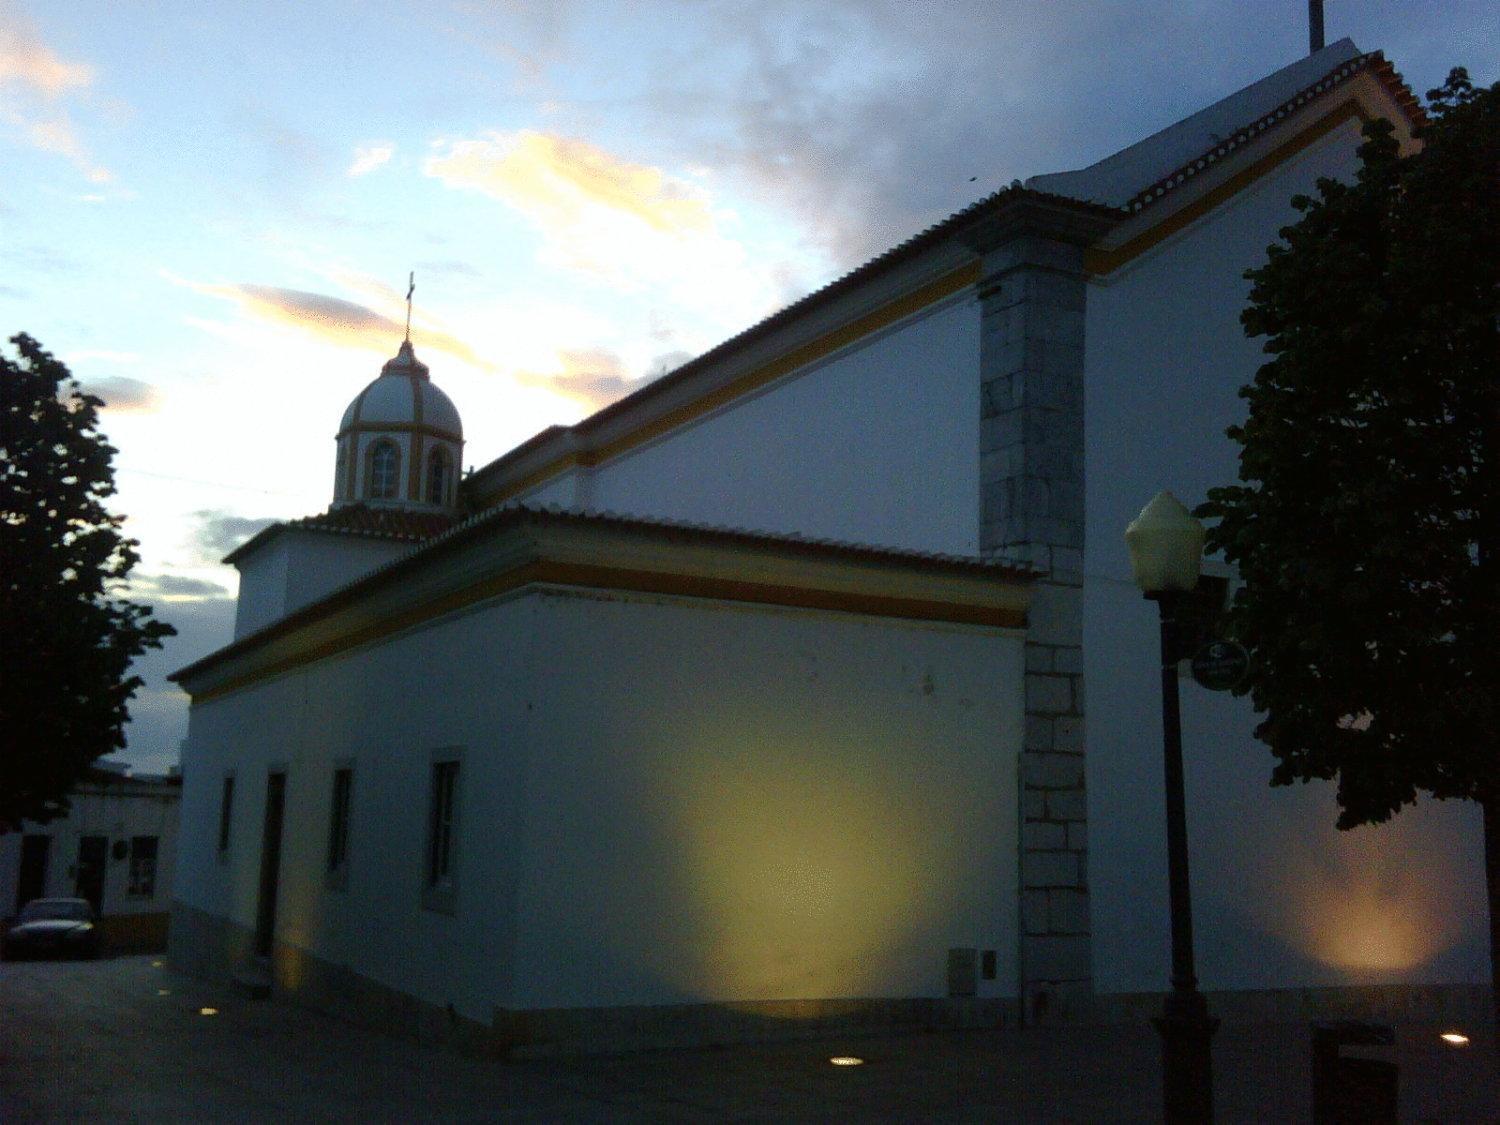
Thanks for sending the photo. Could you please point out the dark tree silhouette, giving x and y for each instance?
(66, 638)
(1367, 524)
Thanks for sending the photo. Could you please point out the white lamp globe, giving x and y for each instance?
(1166, 546)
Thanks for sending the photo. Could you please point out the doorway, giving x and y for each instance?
(270, 864)
(89, 883)
(32, 882)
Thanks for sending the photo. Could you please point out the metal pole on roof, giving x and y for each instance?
(1314, 26)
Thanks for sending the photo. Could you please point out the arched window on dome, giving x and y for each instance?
(437, 476)
(385, 470)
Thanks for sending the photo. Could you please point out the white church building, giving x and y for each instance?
(807, 686)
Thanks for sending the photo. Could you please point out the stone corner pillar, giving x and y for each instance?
(1032, 294)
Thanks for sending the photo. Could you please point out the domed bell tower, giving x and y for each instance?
(400, 443)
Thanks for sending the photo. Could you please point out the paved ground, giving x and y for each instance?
(123, 1040)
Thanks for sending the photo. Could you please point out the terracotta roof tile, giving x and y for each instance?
(357, 519)
(381, 523)
(1375, 62)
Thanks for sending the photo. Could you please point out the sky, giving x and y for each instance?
(210, 211)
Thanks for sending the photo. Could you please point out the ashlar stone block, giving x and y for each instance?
(1058, 957)
(1049, 869)
(1052, 771)
(1067, 911)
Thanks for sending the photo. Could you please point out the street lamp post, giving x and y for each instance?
(1166, 545)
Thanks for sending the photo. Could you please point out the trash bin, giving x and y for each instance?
(1352, 1089)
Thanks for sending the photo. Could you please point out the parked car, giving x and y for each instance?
(52, 927)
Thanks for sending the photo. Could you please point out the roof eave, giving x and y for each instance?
(537, 521)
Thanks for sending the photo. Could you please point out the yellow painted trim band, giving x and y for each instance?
(1107, 261)
(632, 581)
(841, 337)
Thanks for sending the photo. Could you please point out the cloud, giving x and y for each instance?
(124, 395)
(158, 714)
(216, 532)
(369, 157)
(630, 225)
(175, 587)
(57, 136)
(560, 181)
(594, 377)
(26, 61)
(862, 121)
(32, 80)
(335, 320)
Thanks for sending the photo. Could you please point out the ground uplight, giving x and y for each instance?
(208, 1011)
(164, 992)
(846, 1060)
(1454, 1038)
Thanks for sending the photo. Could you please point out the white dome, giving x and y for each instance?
(403, 396)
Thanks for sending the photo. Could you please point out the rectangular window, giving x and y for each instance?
(142, 866)
(338, 822)
(442, 825)
(226, 813)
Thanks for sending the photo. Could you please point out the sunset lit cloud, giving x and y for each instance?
(124, 395)
(26, 61)
(629, 225)
(32, 79)
(335, 320)
(592, 377)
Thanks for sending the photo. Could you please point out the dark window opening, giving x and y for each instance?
(142, 866)
(338, 820)
(437, 477)
(441, 824)
(385, 470)
(226, 812)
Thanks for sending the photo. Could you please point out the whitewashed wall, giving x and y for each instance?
(134, 811)
(765, 805)
(833, 812)
(386, 707)
(1280, 898)
(298, 567)
(876, 445)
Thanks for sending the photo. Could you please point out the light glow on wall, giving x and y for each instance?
(813, 874)
(1364, 904)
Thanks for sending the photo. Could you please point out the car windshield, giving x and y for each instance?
(63, 909)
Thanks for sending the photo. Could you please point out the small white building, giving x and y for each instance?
(808, 682)
(116, 847)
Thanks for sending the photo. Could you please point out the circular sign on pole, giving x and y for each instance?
(1220, 665)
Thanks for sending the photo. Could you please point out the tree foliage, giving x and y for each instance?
(1364, 526)
(66, 638)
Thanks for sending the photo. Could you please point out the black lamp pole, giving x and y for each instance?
(1186, 1027)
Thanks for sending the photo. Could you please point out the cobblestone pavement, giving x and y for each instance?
(124, 1040)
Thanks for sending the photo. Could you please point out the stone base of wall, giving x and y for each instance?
(1387, 1003)
(567, 1031)
(207, 946)
(122, 935)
